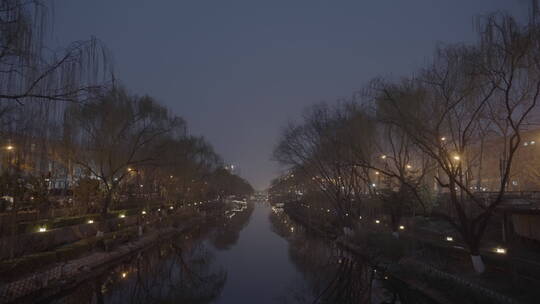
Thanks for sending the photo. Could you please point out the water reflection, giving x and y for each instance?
(178, 270)
(272, 260)
(331, 274)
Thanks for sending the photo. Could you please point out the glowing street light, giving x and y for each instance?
(143, 212)
(122, 216)
(383, 156)
(500, 250)
(377, 173)
(377, 222)
(456, 157)
(90, 221)
(10, 147)
(124, 275)
(449, 239)
(42, 229)
(408, 167)
(443, 138)
(401, 227)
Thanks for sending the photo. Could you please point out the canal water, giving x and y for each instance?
(256, 255)
(237, 259)
(258, 267)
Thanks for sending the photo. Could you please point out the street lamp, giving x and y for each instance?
(10, 147)
(500, 250)
(456, 157)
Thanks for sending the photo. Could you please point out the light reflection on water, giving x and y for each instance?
(255, 257)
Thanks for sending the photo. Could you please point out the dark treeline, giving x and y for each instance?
(67, 126)
(450, 132)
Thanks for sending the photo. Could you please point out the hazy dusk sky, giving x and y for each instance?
(237, 71)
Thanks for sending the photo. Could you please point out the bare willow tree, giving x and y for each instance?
(316, 146)
(186, 167)
(29, 71)
(469, 92)
(37, 80)
(112, 136)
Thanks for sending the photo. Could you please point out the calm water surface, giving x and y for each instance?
(255, 256)
(232, 260)
(258, 266)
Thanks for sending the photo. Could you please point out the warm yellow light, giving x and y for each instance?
(376, 172)
(171, 207)
(456, 157)
(383, 156)
(292, 229)
(500, 250)
(10, 147)
(90, 221)
(42, 229)
(122, 215)
(449, 239)
(409, 166)
(129, 169)
(443, 138)
(143, 212)
(377, 222)
(124, 275)
(170, 176)
(401, 227)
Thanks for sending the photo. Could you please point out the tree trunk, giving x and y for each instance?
(478, 264)
(106, 203)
